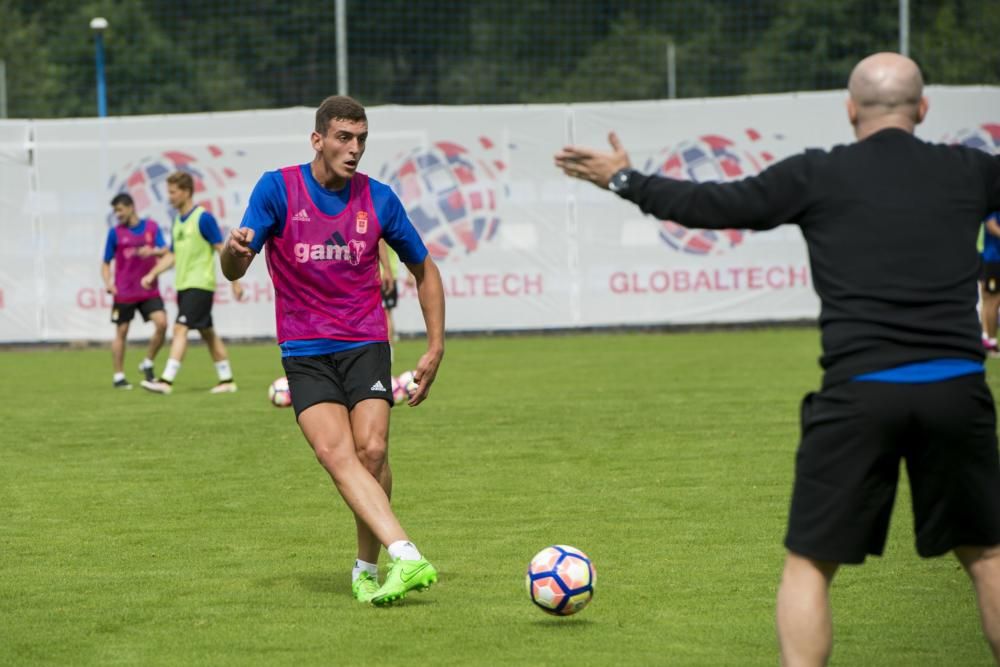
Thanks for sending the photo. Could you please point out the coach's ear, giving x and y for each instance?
(922, 109)
(852, 112)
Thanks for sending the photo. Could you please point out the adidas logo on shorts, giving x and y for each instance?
(377, 386)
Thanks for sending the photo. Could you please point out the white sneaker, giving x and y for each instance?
(157, 386)
(227, 387)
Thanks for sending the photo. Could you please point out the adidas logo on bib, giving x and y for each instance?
(301, 216)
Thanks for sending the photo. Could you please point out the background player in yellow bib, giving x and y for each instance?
(196, 238)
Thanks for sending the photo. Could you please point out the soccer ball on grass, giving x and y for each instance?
(403, 387)
(279, 394)
(560, 580)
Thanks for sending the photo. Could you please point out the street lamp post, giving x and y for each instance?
(99, 24)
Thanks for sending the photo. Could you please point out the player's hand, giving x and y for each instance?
(145, 251)
(111, 289)
(592, 165)
(147, 280)
(238, 292)
(424, 375)
(388, 282)
(238, 243)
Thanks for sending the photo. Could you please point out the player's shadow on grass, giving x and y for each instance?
(577, 623)
(325, 582)
(338, 584)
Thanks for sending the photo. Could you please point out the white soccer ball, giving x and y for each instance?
(560, 580)
(403, 387)
(279, 394)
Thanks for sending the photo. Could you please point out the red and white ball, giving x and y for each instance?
(561, 580)
(279, 394)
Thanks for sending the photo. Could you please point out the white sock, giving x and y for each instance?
(170, 372)
(119, 377)
(146, 363)
(363, 566)
(223, 370)
(401, 549)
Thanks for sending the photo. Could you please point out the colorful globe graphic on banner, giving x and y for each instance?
(710, 157)
(986, 138)
(146, 181)
(450, 194)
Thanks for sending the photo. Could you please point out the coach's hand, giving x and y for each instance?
(238, 291)
(592, 165)
(238, 243)
(424, 375)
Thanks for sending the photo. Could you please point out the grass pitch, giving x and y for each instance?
(196, 529)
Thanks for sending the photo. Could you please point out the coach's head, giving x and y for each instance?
(886, 90)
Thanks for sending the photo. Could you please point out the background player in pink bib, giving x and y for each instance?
(321, 224)
(133, 245)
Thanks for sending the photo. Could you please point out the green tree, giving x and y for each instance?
(813, 44)
(957, 42)
(31, 76)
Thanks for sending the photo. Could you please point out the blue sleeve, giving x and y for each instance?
(110, 245)
(267, 209)
(159, 241)
(209, 228)
(397, 230)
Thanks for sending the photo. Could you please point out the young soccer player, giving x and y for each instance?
(320, 223)
(133, 245)
(195, 239)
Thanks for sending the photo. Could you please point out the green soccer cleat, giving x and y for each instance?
(364, 587)
(405, 576)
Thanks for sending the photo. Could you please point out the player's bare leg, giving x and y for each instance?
(370, 426)
(178, 347)
(179, 342)
(217, 349)
(327, 428)
(159, 320)
(118, 347)
(983, 566)
(805, 625)
(990, 305)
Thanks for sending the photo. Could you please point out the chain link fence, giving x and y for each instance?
(165, 56)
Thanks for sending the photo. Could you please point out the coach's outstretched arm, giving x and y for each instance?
(236, 255)
(777, 195)
(430, 293)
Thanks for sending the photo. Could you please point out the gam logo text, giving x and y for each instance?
(349, 252)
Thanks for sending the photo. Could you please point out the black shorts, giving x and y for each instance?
(194, 308)
(347, 377)
(390, 297)
(853, 438)
(122, 313)
(990, 275)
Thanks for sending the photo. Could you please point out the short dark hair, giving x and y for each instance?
(340, 107)
(123, 198)
(182, 180)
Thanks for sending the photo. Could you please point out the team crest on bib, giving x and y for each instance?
(361, 222)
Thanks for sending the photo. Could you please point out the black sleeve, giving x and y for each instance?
(777, 195)
(993, 184)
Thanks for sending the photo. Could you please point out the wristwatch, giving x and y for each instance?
(620, 180)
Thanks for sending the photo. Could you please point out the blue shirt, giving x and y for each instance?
(991, 244)
(268, 209)
(207, 226)
(112, 243)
